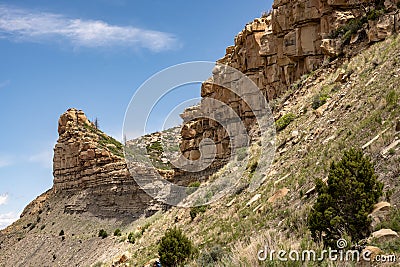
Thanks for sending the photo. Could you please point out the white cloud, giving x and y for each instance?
(44, 158)
(26, 25)
(7, 218)
(3, 199)
(4, 161)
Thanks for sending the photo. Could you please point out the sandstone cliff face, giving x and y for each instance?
(89, 168)
(274, 51)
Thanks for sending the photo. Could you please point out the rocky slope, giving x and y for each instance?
(361, 111)
(293, 39)
(314, 60)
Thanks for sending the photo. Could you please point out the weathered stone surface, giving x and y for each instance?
(374, 251)
(382, 28)
(89, 171)
(379, 214)
(276, 50)
(381, 206)
(278, 195)
(331, 47)
(384, 235)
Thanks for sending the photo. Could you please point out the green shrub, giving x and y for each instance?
(211, 257)
(102, 233)
(284, 121)
(393, 222)
(196, 210)
(131, 238)
(319, 100)
(144, 228)
(175, 248)
(343, 205)
(192, 187)
(117, 232)
(391, 98)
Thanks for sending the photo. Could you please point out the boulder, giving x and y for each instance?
(380, 213)
(371, 252)
(278, 195)
(380, 29)
(331, 47)
(383, 235)
(381, 206)
(253, 199)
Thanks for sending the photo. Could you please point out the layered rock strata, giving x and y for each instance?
(89, 168)
(274, 51)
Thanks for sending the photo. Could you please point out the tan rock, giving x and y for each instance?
(384, 235)
(371, 252)
(331, 47)
(278, 195)
(253, 199)
(381, 206)
(381, 29)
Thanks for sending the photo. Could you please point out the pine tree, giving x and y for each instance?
(343, 204)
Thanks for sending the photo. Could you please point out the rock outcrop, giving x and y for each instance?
(89, 168)
(274, 51)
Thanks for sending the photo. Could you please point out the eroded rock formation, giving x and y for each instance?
(274, 51)
(89, 168)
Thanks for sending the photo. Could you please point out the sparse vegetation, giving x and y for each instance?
(192, 187)
(391, 98)
(393, 222)
(175, 248)
(102, 233)
(319, 100)
(284, 121)
(343, 205)
(132, 237)
(117, 232)
(354, 25)
(105, 141)
(210, 257)
(194, 211)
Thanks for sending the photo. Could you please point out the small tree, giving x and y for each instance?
(96, 123)
(175, 248)
(343, 204)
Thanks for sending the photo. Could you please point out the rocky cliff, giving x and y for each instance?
(89, 167)
(93, 189)
(292, 40)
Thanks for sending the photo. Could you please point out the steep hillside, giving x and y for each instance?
(361, 111)
(331, 86)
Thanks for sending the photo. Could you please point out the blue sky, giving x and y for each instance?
(91, 55)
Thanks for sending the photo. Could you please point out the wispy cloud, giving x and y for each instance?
(27, 25)
(4, 161)
(3, 199)
(7, 218)
(44, 158)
